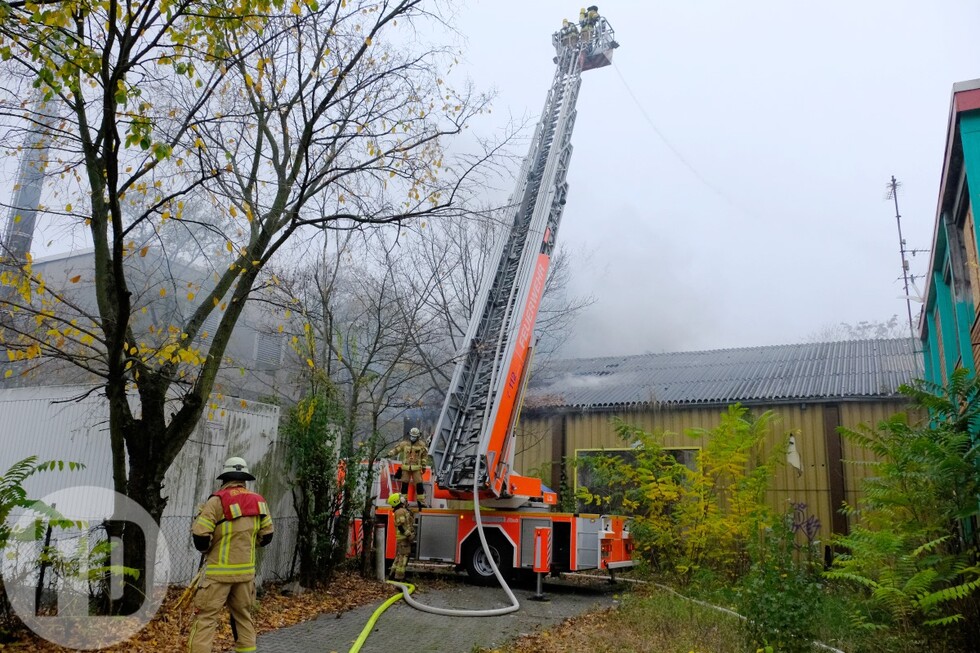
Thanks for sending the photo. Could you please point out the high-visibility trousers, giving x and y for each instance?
(402, 549)
(212, 596)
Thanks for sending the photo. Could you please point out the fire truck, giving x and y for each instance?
(472, 445)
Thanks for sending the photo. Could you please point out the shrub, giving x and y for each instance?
(685, 519)
(780, 596)
(911, 552)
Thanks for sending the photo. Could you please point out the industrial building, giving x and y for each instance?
(813, 389)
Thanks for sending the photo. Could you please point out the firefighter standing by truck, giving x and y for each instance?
(413, 454)
(230, 525)
(404, 534)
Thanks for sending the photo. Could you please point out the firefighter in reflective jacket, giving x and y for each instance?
(230, 525)
(414, 458)
(588, 19)
(568, 33)
(404, 534)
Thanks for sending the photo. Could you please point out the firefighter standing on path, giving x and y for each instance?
(230, 525)
(413, 454)
(404, 534)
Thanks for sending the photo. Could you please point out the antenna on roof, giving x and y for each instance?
(891, 193)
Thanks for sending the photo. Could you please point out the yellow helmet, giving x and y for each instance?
(394, 499)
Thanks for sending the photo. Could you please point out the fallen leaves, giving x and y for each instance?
(570, 635)
(168, 631)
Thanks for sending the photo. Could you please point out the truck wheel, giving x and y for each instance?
(478, 567)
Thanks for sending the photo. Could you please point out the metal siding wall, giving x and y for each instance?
(595, 431)
(77, 431)
(534, 448)
(856, 457)
(811, 487)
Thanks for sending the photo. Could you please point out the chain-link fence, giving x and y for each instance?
(274, 561)
(45, 558)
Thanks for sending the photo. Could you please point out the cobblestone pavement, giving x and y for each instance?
(403, 628)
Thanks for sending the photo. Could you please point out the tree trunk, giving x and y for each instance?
(145, 486)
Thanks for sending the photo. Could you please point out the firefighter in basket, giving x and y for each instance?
(413, 454)
(404, 534)
(232, 522)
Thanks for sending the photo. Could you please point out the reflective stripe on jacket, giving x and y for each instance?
(231, 558)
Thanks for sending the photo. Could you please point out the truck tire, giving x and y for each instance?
(478, 567)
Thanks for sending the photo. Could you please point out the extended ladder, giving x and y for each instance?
(473, 439)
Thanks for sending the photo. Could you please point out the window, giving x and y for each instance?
(268, 350)
(589, 474)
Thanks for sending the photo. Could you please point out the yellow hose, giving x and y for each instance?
(359, 642)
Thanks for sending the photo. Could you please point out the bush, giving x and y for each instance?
(13, 497)
(688, 520)
(781, 595)
(912, 553)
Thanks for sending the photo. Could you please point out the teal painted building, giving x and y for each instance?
(949, 326)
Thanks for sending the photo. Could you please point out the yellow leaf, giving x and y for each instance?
(229, 246)
(163, 292)
(8, 374)
(309, 361)
(68, 207)
(75, 278)
(143, 251)
(190, 296)
(244, 404)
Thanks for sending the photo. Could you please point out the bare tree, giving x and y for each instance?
(284, 116)
(864, 330)
(458, 254)
(352, 318)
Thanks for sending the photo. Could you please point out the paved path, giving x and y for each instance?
(402, 628)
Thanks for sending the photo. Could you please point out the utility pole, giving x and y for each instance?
(893, 195)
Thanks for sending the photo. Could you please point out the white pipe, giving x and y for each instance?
(701, 603)
(379, 550)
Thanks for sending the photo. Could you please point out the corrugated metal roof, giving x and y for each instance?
(777, 373)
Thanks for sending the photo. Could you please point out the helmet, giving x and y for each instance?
(236, 469)
(414, 434)
(394, 499)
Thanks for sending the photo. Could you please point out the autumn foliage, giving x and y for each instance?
(690, 519)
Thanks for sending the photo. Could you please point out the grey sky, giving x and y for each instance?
(795, 114)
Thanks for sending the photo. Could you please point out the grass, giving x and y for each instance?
(652, 619)
(648, 619)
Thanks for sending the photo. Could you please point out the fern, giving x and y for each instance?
(907, 552)
(14, 496)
